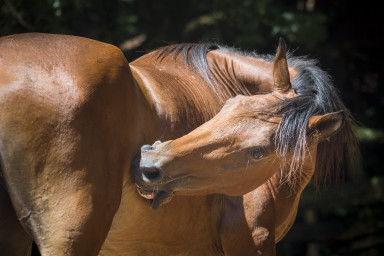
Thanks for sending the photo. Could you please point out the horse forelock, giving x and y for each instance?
(316, 96)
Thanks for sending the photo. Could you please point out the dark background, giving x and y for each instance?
(346, 36)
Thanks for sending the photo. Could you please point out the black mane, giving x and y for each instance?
(194, 56)
(317, 96)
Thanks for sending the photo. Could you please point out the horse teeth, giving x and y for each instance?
(147, 194)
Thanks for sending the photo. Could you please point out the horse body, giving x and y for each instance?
(73, 116)
(68, 114)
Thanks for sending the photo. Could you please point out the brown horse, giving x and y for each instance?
(265, 147)
(73, 115)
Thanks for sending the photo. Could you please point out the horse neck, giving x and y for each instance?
(286, 196)
(296, 185)
(180, 100)
(240, 74)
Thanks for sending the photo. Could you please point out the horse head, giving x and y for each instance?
(236, 151)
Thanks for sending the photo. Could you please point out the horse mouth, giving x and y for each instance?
(146, 193)
(154, 197)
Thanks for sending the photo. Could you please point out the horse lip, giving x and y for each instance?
(146, 193)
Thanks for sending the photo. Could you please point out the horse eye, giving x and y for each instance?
(256, 153)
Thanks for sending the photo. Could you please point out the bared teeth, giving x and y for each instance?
(147, 194)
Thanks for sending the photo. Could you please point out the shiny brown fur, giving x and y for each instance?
(68, 114)
(72, 119)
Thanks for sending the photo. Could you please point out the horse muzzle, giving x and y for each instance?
(148, 162)
(149, 178)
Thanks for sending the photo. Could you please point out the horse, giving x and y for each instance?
(263, 148)
(73, 116)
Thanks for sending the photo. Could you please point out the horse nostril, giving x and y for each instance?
(146, 148)
(150, 174)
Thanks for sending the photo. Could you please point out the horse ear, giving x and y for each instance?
(280, 68)
(323, 127)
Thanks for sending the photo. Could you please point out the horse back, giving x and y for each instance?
(62, 70)
(52, 83)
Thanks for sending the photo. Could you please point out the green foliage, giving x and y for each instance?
(370, 135)
(243, 23)
(252, 23)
